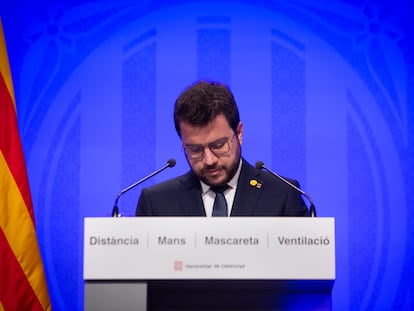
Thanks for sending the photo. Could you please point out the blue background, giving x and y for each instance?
(325, 90)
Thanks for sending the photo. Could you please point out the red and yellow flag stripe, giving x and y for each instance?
(22, 278)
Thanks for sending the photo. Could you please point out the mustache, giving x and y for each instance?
(212, 167)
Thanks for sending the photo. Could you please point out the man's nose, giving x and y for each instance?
(209, 157)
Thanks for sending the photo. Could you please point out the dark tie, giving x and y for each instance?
(220, 203)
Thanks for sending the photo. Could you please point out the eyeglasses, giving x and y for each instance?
(219, 148)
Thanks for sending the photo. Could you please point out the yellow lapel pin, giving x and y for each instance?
(255, 183)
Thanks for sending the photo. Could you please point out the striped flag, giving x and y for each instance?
(22, 278)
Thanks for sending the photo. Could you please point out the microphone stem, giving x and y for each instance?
(115, 211)
(141, 181)
(312, 209)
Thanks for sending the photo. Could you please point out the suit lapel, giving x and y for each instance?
(189, 196)
(249, 189)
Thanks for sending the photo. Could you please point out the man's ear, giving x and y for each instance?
(239, 132)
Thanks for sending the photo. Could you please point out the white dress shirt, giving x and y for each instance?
(209, 195)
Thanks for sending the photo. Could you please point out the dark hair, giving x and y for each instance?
(201, 102)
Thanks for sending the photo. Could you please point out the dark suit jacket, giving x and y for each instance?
(181, 196)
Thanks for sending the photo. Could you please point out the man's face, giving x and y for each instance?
(213, 152)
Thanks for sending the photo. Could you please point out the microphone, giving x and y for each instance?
(312, 211)
(115, 210)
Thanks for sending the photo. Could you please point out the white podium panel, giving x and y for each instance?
(197, 248)
(197, 263)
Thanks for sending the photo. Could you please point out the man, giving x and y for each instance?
(207, 120)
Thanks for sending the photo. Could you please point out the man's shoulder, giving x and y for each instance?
(173, 184)
(266, 177)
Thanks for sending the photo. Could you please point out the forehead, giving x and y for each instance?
(216, 129)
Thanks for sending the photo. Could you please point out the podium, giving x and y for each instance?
(197, 263)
